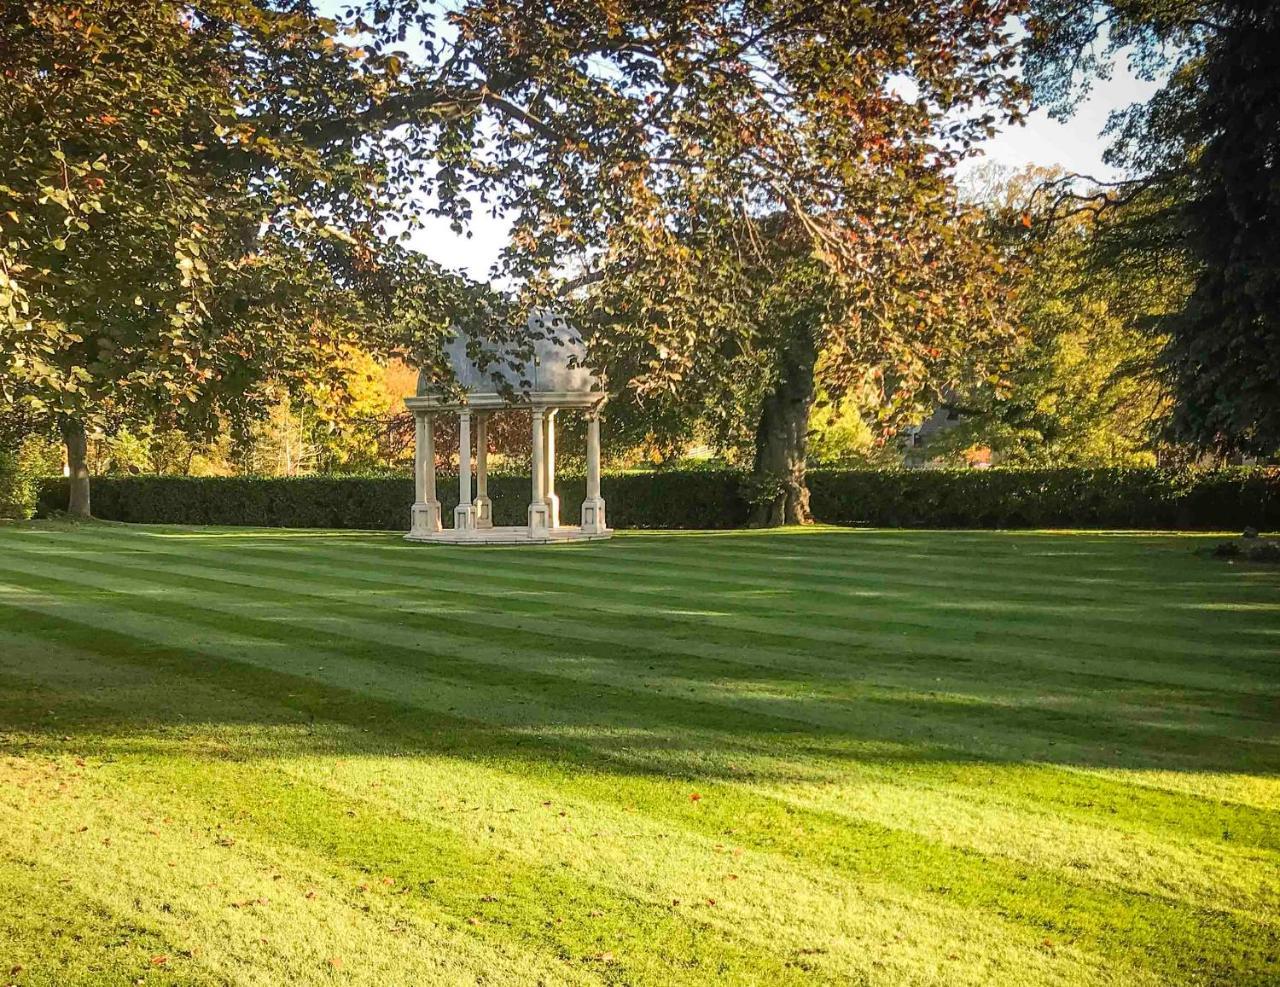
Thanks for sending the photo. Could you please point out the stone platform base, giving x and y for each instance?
(509, 536)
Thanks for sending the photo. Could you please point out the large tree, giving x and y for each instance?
(933, 321)
(640, 146)
(1202, 177)
(637, 147)
(192, 212)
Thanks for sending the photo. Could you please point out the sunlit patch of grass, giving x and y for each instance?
(791, 756)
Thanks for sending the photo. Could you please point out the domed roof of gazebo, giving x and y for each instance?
(486, 367)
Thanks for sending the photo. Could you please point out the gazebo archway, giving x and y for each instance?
(559, 381)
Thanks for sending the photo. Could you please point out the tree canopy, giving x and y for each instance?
(204, 198)
(176, 238)
(638, 144)
(1200, 161)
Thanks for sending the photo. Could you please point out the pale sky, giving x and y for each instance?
(1075, 145)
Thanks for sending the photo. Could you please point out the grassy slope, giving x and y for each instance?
(823, 756)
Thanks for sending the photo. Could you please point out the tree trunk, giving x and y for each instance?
(77, 443)
(782, 441)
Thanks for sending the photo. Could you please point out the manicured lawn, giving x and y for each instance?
(265, 757)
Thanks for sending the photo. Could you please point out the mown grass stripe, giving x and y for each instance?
(803, 663)
(911, 611)
(1048, 752)
(616, 558)
(1087, 799)
(233, 901)
(153, 784)
(655, 577)
(836, 790)
(468, 652)
(1154, 930)
(817, 635)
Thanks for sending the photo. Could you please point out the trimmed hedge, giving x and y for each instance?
(1227, 499)
(642, 500)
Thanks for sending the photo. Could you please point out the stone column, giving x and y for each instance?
(549, 465)
(464, 515)
(484, 506)
(593, 507)
(426, 508)
(538, 517)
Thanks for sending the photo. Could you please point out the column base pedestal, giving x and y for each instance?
(539, 519)
(593, 515)
(484, 512)
(464, 517)
(425, 518)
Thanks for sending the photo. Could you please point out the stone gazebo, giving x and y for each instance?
(558, 380)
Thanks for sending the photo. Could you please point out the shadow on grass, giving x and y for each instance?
(202, 646)
(927, 706)
(604, 728)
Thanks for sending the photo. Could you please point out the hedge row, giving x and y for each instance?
(1227, 499)
(648, 500)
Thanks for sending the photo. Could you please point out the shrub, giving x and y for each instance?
(19, 487)
(1227, 499)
